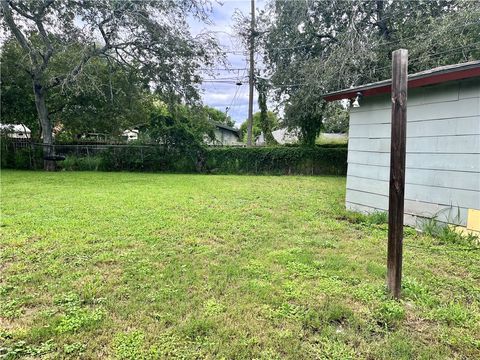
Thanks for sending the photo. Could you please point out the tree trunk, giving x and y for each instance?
(47, 131)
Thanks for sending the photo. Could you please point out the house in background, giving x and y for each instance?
(443, 146)
(16, 131)
(130, 134)
(225, 136)
(281, 136)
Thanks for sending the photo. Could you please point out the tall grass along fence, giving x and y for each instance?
(331, 160)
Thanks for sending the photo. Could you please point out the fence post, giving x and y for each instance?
(397, 171)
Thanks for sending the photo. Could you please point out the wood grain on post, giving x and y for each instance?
(397, 171)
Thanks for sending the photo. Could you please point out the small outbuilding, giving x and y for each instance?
(226, 136)
(443, 146)
(16, 131)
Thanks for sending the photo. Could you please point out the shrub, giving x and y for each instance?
(278, 160)
(20, 158)
(281, 160)
(81, 163)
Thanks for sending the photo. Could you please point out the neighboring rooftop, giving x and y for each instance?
(428, 77)
(226, 127)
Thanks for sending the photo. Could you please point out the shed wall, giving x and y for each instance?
(443, 153)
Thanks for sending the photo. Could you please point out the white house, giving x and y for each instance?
(225, 135)
(16, 131)
(130, 134)
(443, 145)
(281, 136)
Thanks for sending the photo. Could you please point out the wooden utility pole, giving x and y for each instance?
(397, 171)
(250, 78)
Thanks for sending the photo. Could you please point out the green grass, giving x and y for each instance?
(147, 266)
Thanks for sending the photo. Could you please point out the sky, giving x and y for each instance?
(222, 95)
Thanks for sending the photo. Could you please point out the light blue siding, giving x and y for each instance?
(443, 152)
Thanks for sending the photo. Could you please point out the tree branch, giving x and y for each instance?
(21, 38)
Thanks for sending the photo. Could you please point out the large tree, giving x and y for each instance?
(107, 98)
(317, 46)
(149, 36)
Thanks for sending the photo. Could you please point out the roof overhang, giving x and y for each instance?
(429, 77)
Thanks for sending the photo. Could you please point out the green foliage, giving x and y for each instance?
(374, 218)
(444, 233)
(266, 123)
(218, 116)
(315, 47)
(306, 112)
(234, 267)
(271, 122)
(76, 316)
(278, 160)
(192, 156)
(21, 349)
(17, 101)
(77, 163)
(390, 314)
(74, 348)
(336, 119)
(19, 158)
(106, 98)
(129, 346)
(454, 313)
(137, 158)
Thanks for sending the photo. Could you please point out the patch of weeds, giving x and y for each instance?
(257, 270)
(213, 307)
(76, 317)
(67, 300)
(10, 309)
(301, 269)
(129, 346)
(89, 293)
(461, 340)
(389, 314)
(369, 292)
(22, 349)
(453, 313)
(75, 348)
(336, 262)
(444, 233)
(331, 313)
(374, 218)
(331, 285)
(291, 255)
(328, 244)
(329, 349)
(397, 346)
(287, 311)
(79, 318)
(377, 218)
(379, 271)
(291, 290)
(197, 328)
(415, 291)
(5, 289)
(335, 312)
(172, 346)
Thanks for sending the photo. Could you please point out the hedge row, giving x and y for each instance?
(263, 160)
(278, 160)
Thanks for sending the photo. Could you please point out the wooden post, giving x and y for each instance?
(397, 171)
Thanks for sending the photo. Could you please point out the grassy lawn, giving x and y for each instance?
(123, 265)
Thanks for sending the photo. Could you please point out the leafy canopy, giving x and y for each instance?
(317, 46)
